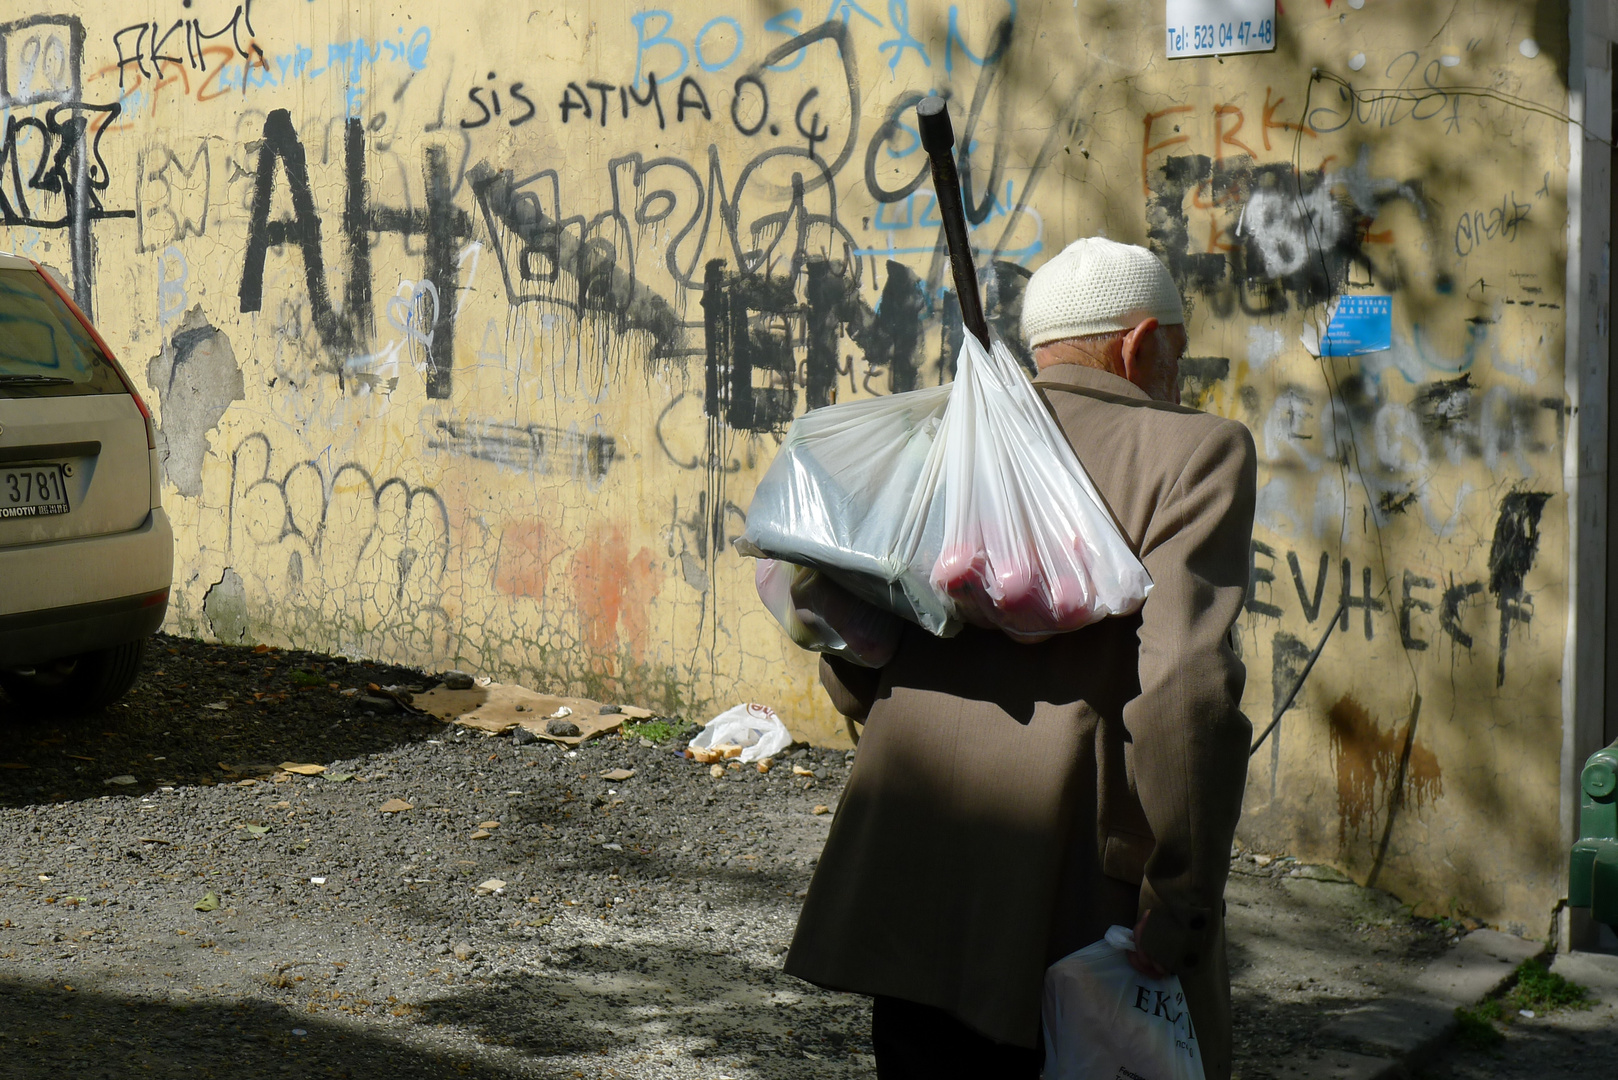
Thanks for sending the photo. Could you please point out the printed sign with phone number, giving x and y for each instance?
(1216, 27)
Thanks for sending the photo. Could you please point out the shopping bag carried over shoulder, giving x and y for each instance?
(956, 504)
(1028, 545)
(1103, 1019)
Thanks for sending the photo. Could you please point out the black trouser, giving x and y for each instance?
(919, 1042)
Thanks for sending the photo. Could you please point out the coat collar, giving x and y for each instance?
(1077, 376)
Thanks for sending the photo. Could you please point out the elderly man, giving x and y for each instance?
(1009, 802)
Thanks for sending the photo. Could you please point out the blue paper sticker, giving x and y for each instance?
(1361, 324)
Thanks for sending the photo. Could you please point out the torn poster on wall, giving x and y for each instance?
(1219, 27)
(1358, 325)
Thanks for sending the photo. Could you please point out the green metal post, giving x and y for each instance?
(1593, 870)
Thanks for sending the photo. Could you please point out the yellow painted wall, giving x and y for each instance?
(421, 296)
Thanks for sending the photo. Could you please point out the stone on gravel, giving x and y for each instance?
(457, 680)
(463, 951)
(521, 736)
(491, 885)
(617, 774)
(394, 806)
(122, 781)
(380, 705)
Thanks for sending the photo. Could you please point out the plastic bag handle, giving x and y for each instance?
(1121, 938)
(938, 139)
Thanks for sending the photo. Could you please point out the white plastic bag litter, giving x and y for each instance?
(821, 616)
(959, 503)
(1104, 1019)
(755, 728)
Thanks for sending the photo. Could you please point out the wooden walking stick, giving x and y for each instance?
(938, 139)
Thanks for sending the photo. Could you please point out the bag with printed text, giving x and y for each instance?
(1105, 1020)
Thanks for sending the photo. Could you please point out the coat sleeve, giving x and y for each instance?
(1189, 741)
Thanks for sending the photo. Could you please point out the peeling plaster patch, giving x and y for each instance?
(225, 605)
(196, 378)
(61, 278)
(695, 574)
(1366, 759)
(1263, 345)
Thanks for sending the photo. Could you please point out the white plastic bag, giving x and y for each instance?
(1028, 545)
(1103, 1019)
(755, 728)
(852, 492)
(960, 503)
(821, 616)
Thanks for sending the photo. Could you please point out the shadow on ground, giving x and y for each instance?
(50, 1032)
(201, 714)
(616, 1000)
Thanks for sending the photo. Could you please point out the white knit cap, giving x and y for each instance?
(1094, 286)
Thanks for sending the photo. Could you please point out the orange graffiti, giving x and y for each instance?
(523, 564)
(1148, 148)
(1271, 123)
(1367, 762)
(1223, 138)
(179, 77)
(613, 592)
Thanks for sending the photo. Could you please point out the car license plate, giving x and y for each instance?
(32, 491)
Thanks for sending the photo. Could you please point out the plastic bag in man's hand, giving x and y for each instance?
(1103, 1019)
(820, 615)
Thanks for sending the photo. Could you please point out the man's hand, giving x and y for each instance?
(1137, 956)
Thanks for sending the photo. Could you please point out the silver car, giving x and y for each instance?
(86, 552)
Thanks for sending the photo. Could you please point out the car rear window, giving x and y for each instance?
(44, 350)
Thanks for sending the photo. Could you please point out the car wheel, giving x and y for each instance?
(78, 683)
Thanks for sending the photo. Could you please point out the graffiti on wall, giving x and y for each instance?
(463, 356)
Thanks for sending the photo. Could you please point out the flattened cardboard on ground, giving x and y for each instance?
(493, 708)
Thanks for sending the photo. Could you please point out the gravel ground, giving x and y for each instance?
(639, 931)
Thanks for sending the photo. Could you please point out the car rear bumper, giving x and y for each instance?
(73, 596)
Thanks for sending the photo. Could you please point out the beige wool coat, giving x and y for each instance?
(1010, 802)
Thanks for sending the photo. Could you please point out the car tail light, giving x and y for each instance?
(95, 336)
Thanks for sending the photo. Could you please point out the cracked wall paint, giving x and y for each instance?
(520, 307)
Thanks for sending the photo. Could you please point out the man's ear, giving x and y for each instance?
(1133, 346)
